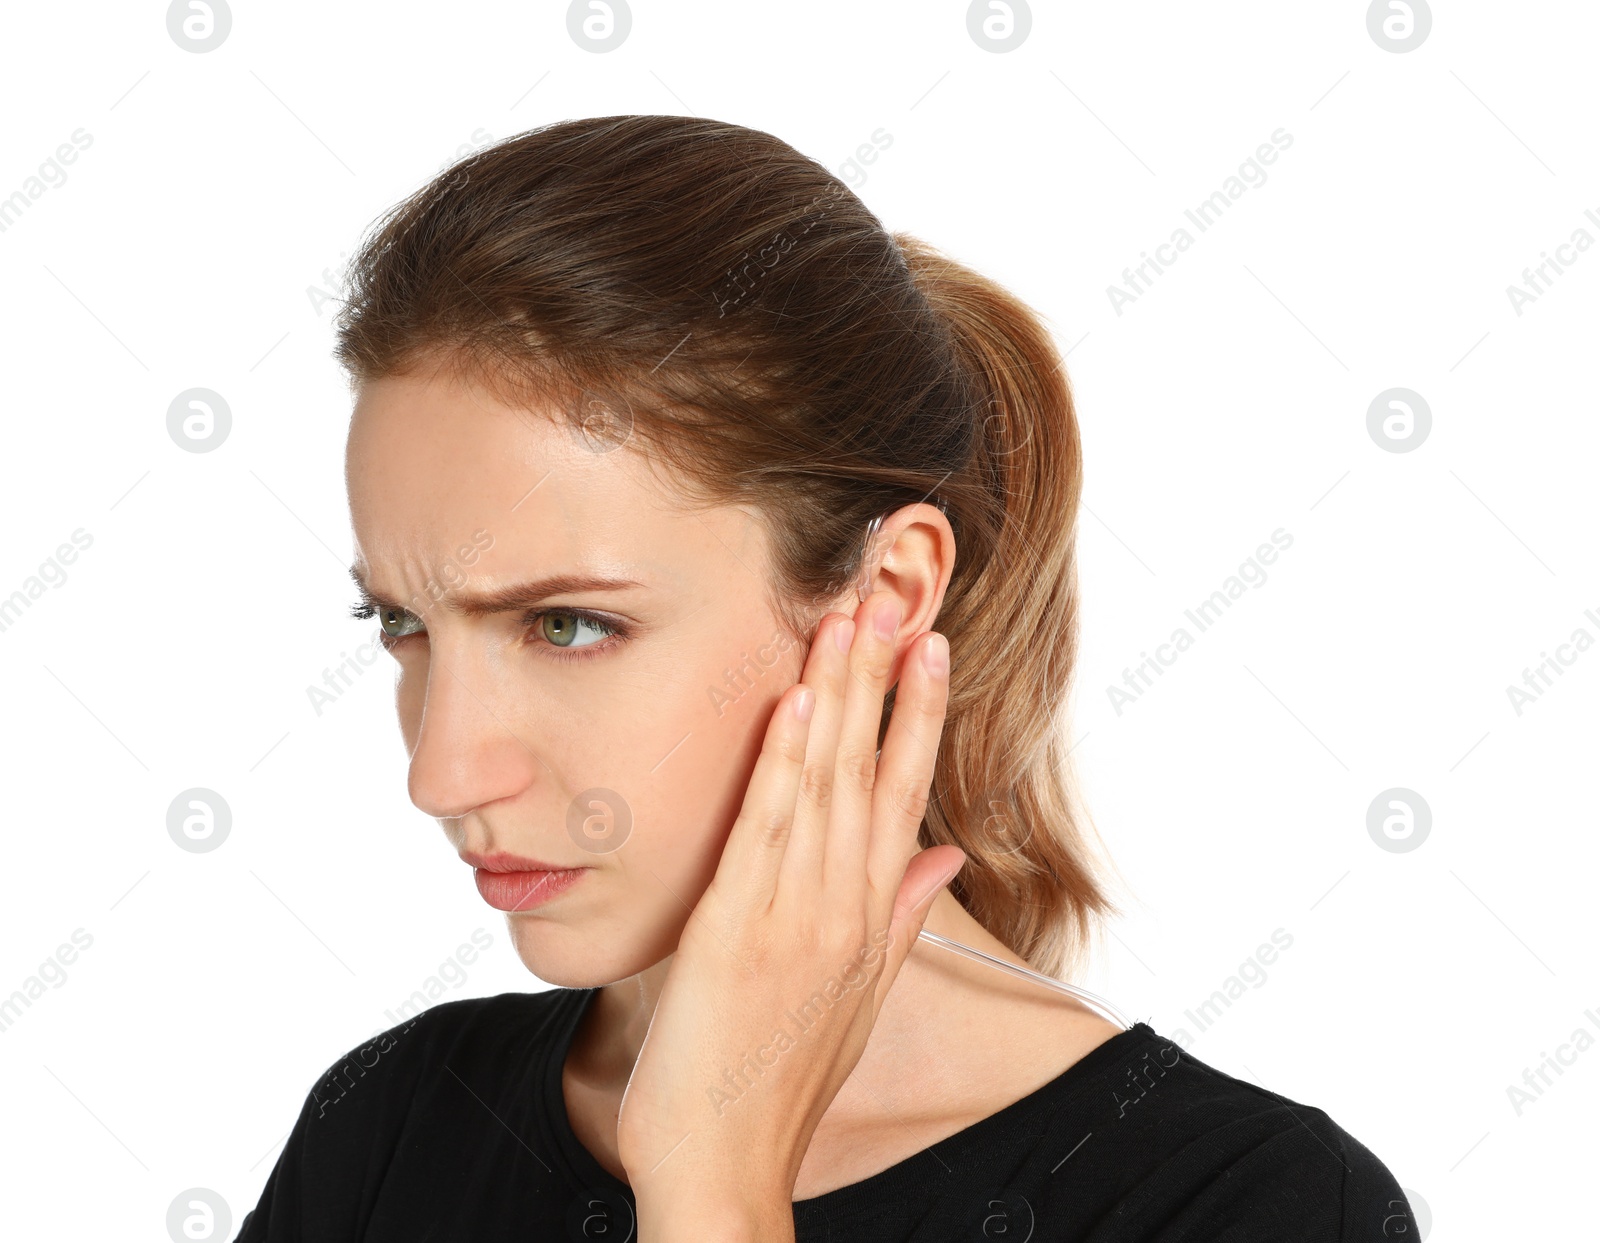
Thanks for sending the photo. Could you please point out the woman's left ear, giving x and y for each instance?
(916, 557)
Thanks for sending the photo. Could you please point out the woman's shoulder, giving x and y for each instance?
(421, 1074)
(469, 1032)
(1207, 1154)
(514, 1016)
(512, 1019)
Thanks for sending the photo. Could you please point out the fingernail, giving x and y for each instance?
(936, 655)
(843, 633)
(887, 619)
(804, 702)
(944, 884)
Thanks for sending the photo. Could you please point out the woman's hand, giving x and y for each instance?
(784, 964)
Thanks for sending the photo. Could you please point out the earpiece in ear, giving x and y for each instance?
(868, 557)
(864, 583)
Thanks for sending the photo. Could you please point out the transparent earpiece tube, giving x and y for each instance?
(1099, 1005)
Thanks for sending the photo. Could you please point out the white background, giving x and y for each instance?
(1230, 400)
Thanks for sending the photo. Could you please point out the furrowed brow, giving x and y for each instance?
(518, 597)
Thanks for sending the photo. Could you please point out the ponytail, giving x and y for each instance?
(1004, 787)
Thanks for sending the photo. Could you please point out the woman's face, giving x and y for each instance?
(532, 731)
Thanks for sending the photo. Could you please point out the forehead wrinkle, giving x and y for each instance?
(516, 597)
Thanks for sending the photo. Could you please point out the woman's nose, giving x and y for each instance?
(471, 749)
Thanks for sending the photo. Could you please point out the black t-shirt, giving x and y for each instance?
(452, 1126)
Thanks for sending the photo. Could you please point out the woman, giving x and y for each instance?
(666, 460)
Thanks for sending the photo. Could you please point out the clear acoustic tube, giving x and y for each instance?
(1098, 1004)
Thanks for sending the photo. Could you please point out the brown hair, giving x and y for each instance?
(728, 301)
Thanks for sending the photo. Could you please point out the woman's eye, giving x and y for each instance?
(564, 629)
(397, 623)
(574, 632)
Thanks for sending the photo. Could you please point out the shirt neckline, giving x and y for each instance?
(872, 1192)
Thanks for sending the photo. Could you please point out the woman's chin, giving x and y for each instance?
(571, 961)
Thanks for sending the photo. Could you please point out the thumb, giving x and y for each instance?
(928, 872)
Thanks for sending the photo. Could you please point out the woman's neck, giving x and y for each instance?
(940, 1001)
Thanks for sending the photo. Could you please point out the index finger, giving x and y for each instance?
(850, 826)
(753, 854)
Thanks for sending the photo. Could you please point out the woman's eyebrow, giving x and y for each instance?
(517, 597)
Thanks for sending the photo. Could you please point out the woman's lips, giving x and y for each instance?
(522, 891)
